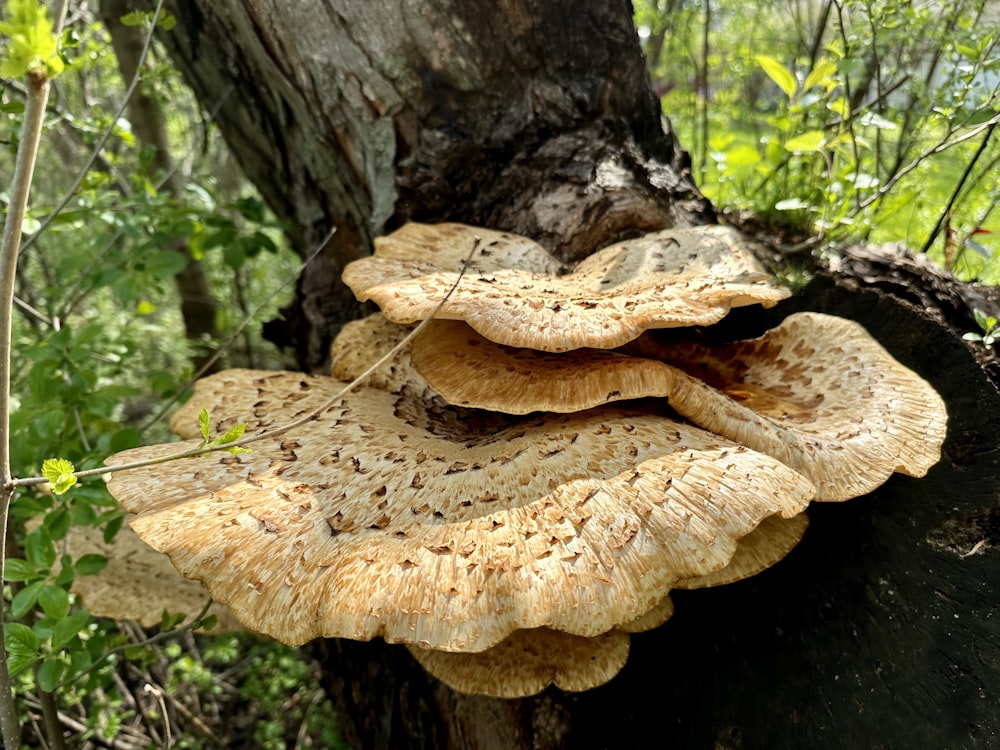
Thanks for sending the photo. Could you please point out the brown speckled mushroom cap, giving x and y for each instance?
(513, 293)
(138, 583)
(817, 392)
(528, 661)
(826, 399)
(763, 547)
(361, 343)
(401, 517)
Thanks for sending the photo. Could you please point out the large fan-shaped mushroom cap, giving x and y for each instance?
(401, 517)
(528, 661)
(512, 292)
(817, 392)
(826, 397)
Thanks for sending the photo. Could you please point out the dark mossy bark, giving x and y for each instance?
(880, 630)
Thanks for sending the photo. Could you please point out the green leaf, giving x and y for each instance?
(68, 627)
(54, 601)
(979, 117)
(25, 599)
(821, 75)
(19, 570)
(779, 74)
(234, 434)
(208, 622)
(57, 523)
(49, 673)
(166, 263)
(809, 141)
(970, 52)
(205, 425)
(60, 474)
(39, 550)
(135, 18)
(90, 565)
(112, 529)
(170, 621)
(20, 638)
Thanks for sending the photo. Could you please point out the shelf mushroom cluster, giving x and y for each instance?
(522, 487)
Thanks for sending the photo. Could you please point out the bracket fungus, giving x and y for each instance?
(528, 661)
(482, 499)
(514, 292)
(817, 392)
(399, 516)
(138, 583)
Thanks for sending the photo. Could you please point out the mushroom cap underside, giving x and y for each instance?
(138, 583)
(528, 661)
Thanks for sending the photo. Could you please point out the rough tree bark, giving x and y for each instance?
(536, 116)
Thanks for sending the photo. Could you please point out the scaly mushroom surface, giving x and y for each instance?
(817, 392)
(401, 517)
(515, 293)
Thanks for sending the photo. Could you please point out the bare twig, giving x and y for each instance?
(20, 188)
(958, 189)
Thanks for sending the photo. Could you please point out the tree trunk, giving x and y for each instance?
(532, 116)
(198, 305)
(535, 116)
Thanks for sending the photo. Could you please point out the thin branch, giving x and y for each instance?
(236, 333)
(277, 431)
(958, 189)
(943, 145)
(99, 147)
(20, 188)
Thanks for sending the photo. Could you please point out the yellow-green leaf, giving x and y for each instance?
(809, 141)
(60, 474)
(821, 75)
(779, 74)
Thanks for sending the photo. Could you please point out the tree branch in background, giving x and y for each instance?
(198, 306)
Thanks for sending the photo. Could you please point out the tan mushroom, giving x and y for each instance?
(514, 293)
(361, 343)
(403, 518)
(528, 661)
(138, 583)
(662, 611)
(817, 392)
(763, 547)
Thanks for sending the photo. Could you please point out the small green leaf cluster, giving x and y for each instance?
(60, 639)
(32, 47)
(988, 329)
(231, 435)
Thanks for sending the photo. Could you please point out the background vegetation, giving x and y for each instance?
(839, 121)
(850, 119)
